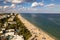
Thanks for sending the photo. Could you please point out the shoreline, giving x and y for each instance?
(35, 31)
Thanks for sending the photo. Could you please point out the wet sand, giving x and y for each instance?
(37, 34)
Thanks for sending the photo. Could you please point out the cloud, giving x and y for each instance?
(34, 4)
(30, 10)
(35, 10)
(19, 1)
(56, 9)
(6, 7)
(50, 5)
(41, 4)
(13, 6)
(14, 1)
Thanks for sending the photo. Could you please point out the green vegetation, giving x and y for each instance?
(18, 27)
(22, 29)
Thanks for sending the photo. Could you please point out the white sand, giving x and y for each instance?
(41, 35)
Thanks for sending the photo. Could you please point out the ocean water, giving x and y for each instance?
(50, 23)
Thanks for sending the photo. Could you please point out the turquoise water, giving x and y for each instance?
(48, 22)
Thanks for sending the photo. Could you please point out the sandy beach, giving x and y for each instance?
(37, 34)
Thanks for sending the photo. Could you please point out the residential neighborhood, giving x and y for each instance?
(11, 28)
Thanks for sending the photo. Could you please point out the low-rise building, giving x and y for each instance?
(17, 37)
(10, 30)
(12, 22)
(9, 33)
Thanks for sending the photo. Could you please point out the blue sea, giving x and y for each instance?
(50, 23)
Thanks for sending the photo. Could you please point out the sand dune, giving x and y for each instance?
(37, 34)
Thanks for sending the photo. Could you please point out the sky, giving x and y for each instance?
(30, 6)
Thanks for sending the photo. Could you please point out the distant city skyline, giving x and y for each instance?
(30, 6)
